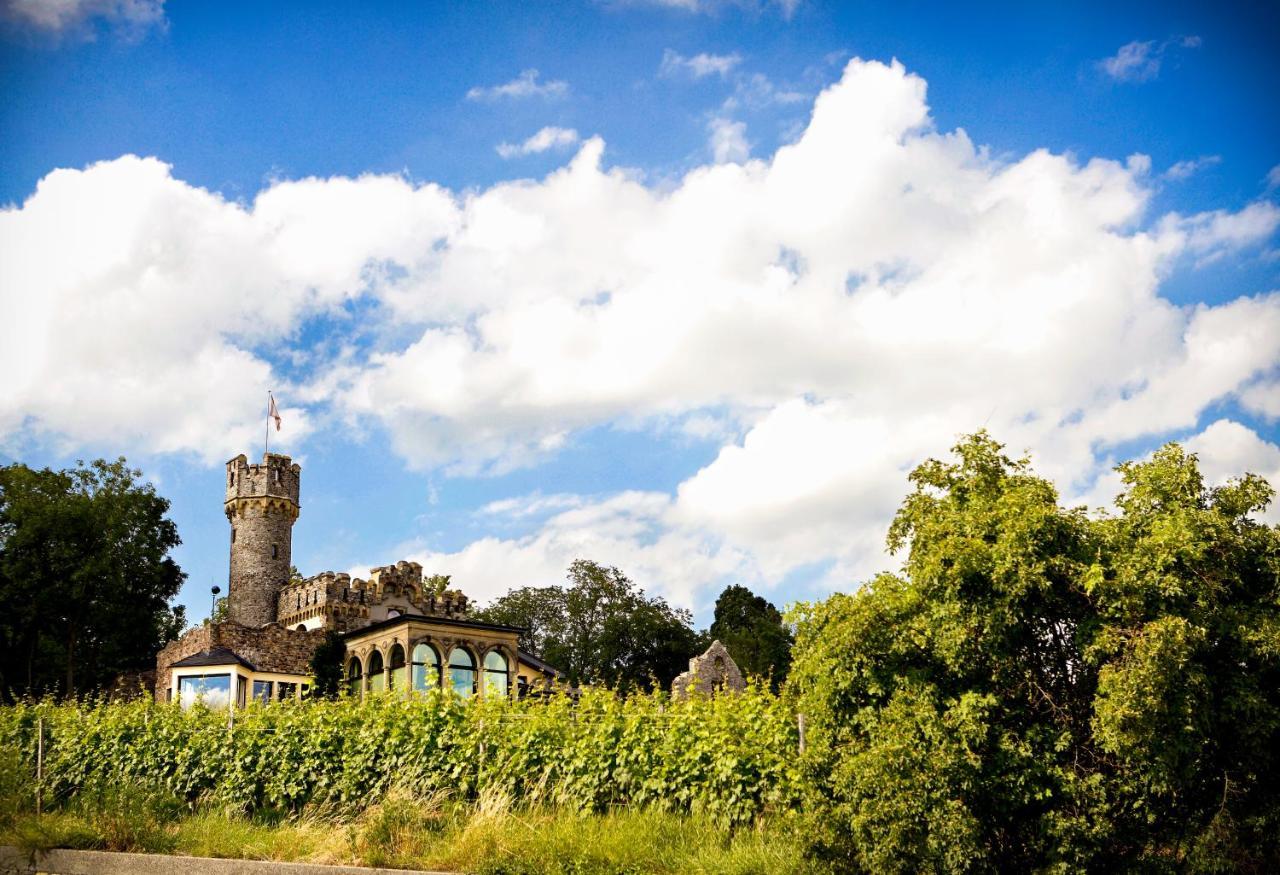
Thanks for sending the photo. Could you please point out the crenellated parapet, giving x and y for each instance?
(338, 600)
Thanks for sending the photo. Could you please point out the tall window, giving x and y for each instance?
(462, 672)
(354, 675)
(377, 677)
(495, 675)
(426, 667)
(397, 667)
(213, 690)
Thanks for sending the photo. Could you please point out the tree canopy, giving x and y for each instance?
(85, 577)
(754, 632)
(600, 628)
(1042, 688)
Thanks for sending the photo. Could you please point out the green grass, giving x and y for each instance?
(491, 836)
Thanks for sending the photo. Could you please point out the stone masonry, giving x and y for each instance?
(709, 673)
(261, 505)
(340, 601)
(270, 648)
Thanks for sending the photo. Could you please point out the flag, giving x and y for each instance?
(272, 411)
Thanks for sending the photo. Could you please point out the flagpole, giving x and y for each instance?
(266, 432)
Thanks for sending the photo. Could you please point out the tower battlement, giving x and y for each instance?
(276, 477)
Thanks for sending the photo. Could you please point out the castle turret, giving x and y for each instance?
(262, 505)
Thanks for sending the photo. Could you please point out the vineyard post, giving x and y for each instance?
(800, 726)
(39, 762)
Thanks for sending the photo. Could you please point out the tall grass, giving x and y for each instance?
(490, 835)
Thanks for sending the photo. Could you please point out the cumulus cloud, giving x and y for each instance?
(830, 314)
(129, 19)
(1140, 60)
(524, 85)
(698, 66)
(543, 140)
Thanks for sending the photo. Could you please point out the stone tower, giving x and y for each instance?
(261, 505)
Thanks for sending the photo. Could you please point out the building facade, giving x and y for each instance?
(400, 631)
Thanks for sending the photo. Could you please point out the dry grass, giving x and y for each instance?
(489, 836)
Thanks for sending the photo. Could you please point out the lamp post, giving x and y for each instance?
(214, 607)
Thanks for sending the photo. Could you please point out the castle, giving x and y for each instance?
(399, 631)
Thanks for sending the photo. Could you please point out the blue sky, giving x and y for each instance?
(539, 281)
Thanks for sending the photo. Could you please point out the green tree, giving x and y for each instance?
(600, 628)
(326, 666)
(754, 632)
(1042, 689)
(85, 576)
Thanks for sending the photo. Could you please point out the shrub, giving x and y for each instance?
(1044, 689)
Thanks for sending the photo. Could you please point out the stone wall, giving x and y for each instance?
(709, 673)
(268, 648)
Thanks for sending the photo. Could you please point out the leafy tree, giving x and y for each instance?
(599, 629)
(436, 584)
(1042, 689)
(326, 666)
(85, 576)
(754, 632)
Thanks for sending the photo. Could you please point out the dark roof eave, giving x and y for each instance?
(424, 618)
(537, 663)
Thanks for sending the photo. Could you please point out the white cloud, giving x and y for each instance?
(1273, 177)
(1140, 60)
(728, 141)
(524, 85)
(129, 19)
(543, 140)
(698, 66)
(1263, 399)
(1190, 167)
(1228, 449)
(832, 313)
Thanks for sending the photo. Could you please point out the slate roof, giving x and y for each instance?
(216, 656)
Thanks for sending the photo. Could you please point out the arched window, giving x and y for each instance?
(398, 670)
(354, 675)
(462, 672)
(377, 677)
(426, 667)
(495, 675)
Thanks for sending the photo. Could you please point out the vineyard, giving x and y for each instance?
(731, 758)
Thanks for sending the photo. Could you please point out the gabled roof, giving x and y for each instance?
(216, 656)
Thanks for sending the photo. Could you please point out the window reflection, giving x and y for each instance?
(262, 691)
(426, 667)
(495, 674)
(213, 690)
(462, 672)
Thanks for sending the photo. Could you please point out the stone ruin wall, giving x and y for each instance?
(714, 671)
